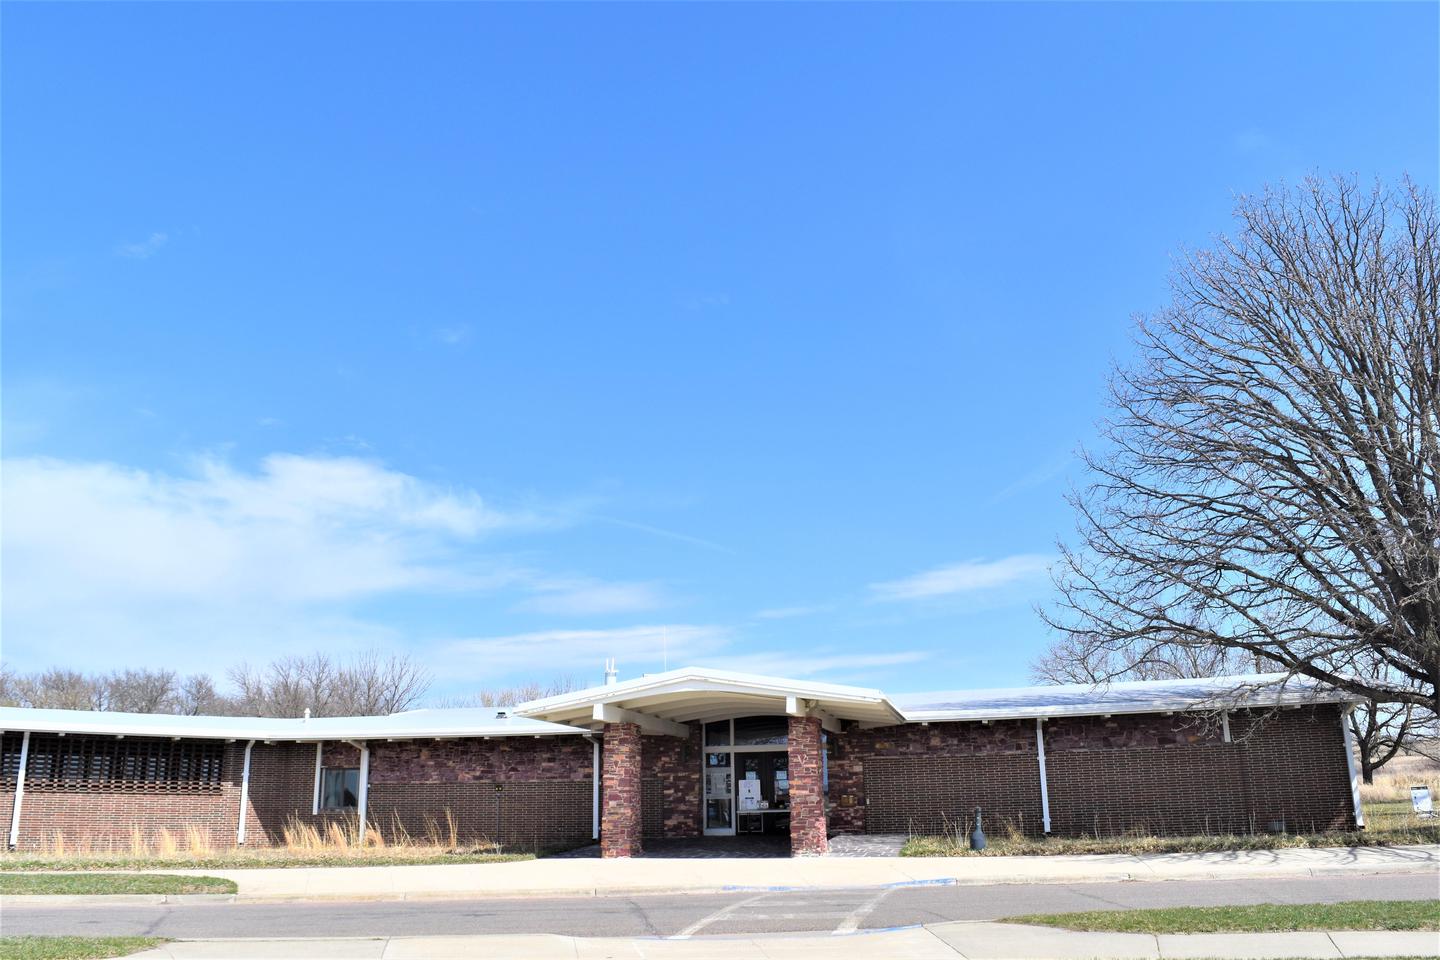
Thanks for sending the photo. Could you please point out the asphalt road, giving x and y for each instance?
(691, 914)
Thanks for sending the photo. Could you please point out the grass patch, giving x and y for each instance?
(250, 859)
(1390, 823)
(1022, 846)
(73, 948)
(78, 884)
(1258, 918)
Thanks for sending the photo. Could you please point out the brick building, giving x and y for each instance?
(702, 753)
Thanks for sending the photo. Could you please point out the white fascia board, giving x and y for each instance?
(706, 681)
(1106, 709)
(294, 730)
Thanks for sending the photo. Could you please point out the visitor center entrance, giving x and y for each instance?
(745, 776)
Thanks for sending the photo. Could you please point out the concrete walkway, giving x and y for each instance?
(944, 941)
(568, 878)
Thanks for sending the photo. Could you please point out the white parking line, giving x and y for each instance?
(720, 914)
(851, 923)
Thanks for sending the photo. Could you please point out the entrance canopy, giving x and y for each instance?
(662, 703)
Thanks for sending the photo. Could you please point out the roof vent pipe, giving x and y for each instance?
(306, 716)
(612, 676)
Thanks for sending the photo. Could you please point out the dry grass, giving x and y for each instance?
(1389, 823)
(1394, 780)
(335, 842)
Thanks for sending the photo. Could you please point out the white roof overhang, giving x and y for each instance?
(415, 724)
(665, 701)
(1249, 691)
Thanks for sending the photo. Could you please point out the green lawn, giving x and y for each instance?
(73, 948)
(1260, 918)
(16, 884)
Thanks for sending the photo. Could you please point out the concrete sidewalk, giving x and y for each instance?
(944, 941)
(642, 875)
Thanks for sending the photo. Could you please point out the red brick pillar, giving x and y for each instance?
(620, 783)
(807, 791)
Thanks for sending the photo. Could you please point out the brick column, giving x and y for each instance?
(807, 792)
(620, 782)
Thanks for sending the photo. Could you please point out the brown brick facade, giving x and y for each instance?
(808, 831)
(1147, 773)
(1144, 773)
(670, 786)
(545, 798)
(620, 793)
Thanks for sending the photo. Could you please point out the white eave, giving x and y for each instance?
(414, 724)
(664, 701)
(1247, 691)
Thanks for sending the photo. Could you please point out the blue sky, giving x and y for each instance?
(518, 336)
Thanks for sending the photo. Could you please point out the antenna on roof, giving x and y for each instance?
(611, 674)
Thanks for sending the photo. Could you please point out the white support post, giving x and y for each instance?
(244, 796)
(595, 789)
(1225, 726)
(1044, 786)
(19, 790)
(319, 752)
(1352, 767)
(363, 800)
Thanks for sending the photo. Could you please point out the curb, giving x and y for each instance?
(102, 899)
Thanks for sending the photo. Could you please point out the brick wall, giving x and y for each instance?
(545, 800)
(921, 778)
(1143, 773)
(101, 820)
(670, 785)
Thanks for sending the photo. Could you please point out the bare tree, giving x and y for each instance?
(197, 696)
(368, 685)
(1270, 483)
(141, 691)
(59, 689)
(517, 693)
(1070, 659)
(373, 684)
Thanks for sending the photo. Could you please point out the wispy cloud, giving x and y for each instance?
(662, 532)
(787, 613)
(838, 665)
(967, 577)
(143, 249)
(1039, 476)
(584, 596)
(635, 648)
(180, 566)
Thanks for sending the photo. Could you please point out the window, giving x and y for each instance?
(339, 788)
(761, 731)
(717, 734)
(88, 762)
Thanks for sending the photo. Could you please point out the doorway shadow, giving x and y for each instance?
(703, 848)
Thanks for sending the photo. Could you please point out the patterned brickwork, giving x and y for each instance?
(546, 800)
(884, 760)
(1149, 773)
(670, 788)
(620, 796)
(808, 832)
(109, 819)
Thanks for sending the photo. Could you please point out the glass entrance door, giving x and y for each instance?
(719, 794)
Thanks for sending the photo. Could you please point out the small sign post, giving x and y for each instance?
(1421, 801)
